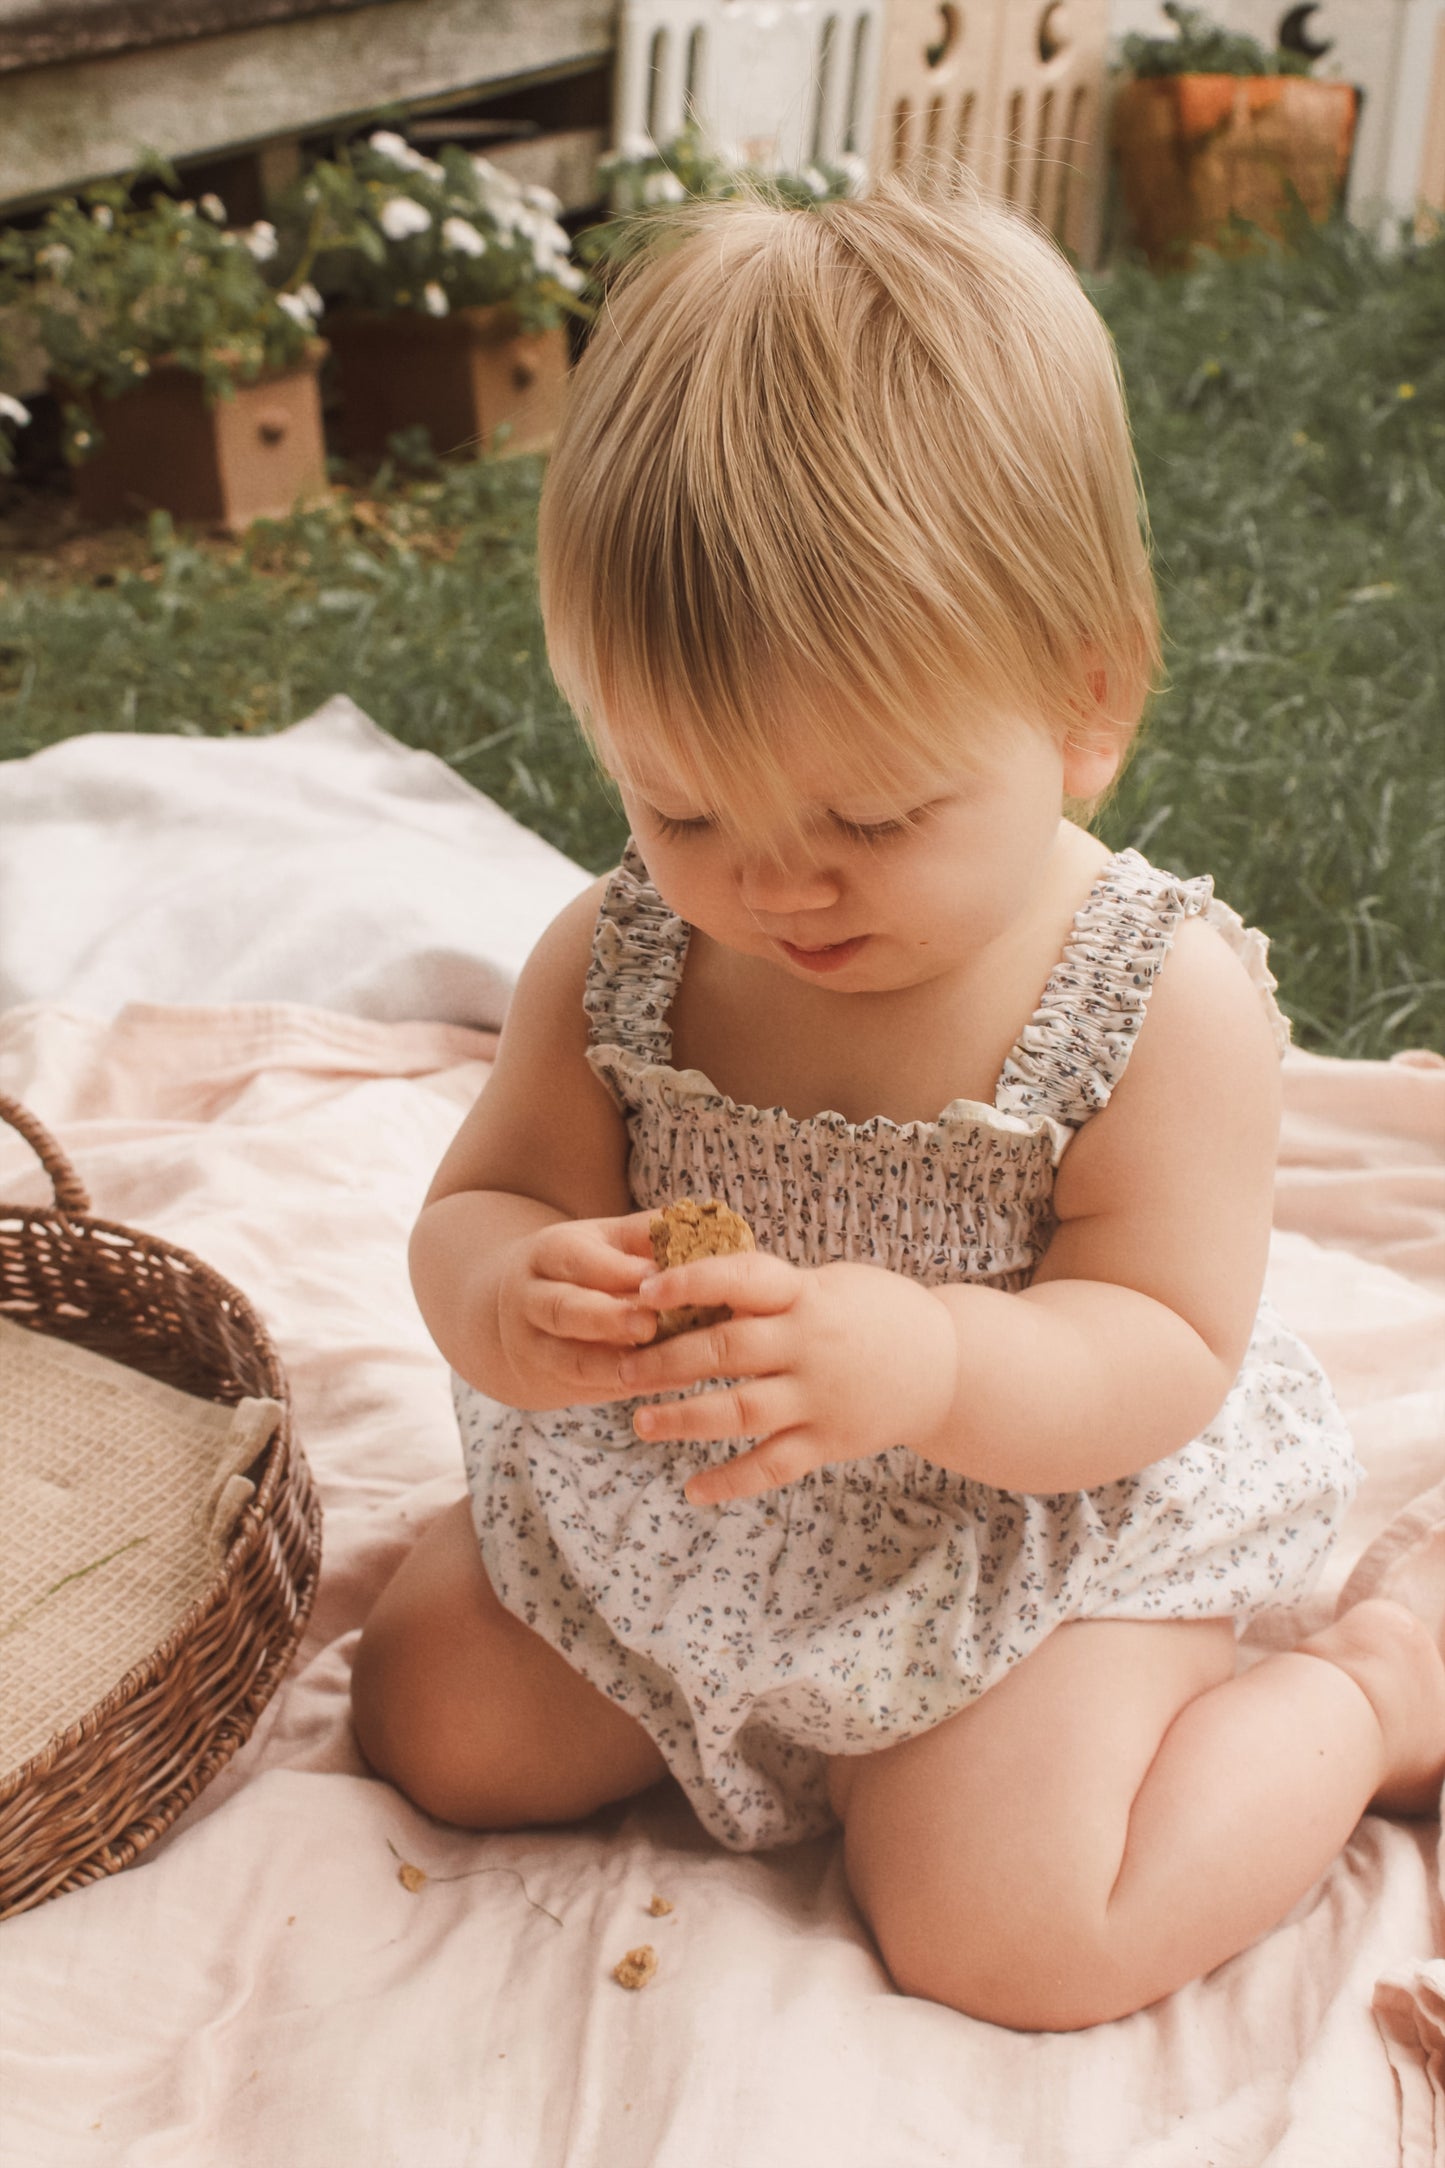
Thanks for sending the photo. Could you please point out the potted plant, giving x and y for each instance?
(645, 178)
(187, 382)
(14, 414)
(448, 287)
(1214, 133)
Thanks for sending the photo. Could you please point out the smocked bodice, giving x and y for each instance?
(967, 1196)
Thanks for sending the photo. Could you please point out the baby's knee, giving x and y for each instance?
(403, 1698)
(1065, 1982)
(385, 1688)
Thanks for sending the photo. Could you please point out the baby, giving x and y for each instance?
(946, 1531)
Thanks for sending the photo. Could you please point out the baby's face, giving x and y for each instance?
(880, 893)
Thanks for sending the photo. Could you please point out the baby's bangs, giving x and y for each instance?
(796, 471)
(736, 760)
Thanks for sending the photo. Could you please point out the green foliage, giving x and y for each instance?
(113, 286)
(1203, 48)
(647, 181)
(1290, 416)
(382, 227)
(1289, 413)
(14, 414)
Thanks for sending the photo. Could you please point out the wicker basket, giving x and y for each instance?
(105, 1788)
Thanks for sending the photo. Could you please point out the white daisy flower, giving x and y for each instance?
(103, 216)
(663, 187)
(12, 411)
(853, 169)
(435, 299)
(812, 179)
(568, 275)
(499, 192)
(401, 216)
(298, 306)
(211, 207)
(542, 199)
(56, 257)
(460, 234)
(636, 145)
(400, 153)
(260, 239)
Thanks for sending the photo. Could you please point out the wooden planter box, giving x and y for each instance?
(1196, 151)
(462, 377)
(220, 463)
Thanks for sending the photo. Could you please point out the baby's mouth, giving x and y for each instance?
(828, 956)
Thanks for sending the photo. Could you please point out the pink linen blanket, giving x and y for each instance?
(266, 1986)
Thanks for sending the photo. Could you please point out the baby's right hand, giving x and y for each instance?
(564, 1317)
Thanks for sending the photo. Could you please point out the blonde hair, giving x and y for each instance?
(863, 467)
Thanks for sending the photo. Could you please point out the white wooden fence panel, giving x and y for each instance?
(777, 83)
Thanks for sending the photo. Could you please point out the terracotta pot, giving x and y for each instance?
(462, 377)
(1196, 151)
(220, 463)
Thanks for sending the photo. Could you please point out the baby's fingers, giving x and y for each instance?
(747, 1281)
(600, 1253)
(778, 1461)
(566, 1312)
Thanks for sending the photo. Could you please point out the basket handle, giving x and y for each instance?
(70, 1192)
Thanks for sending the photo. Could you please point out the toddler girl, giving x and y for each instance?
(947, 1532)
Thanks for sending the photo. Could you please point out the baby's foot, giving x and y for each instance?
(1409, 1596)
(1417, 1580)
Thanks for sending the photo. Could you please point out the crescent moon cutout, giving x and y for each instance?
(1294, 33)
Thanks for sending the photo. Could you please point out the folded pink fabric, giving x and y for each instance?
(263, 1985)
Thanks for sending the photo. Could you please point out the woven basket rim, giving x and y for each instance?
(280, 1460)
(149, 1670)
(138, 1237)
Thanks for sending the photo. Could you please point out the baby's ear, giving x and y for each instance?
(1089, 768)
(1098, 737)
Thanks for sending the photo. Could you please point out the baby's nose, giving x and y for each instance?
(775, 887)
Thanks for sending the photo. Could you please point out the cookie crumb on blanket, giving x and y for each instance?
(658, 1907)
(688, 1230)
(637, 1967)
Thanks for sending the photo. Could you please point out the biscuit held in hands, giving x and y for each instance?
(824, 1363)
(683, 1232)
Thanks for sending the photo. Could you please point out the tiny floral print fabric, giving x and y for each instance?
(874, 1599)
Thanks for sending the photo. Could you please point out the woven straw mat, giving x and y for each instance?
(118, 1496)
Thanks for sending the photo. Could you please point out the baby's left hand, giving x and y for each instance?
(836, 1362)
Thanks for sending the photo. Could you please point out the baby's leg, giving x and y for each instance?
(471, 1714)
(1123, 1812)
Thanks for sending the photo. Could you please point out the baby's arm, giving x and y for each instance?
(1132, 1331)
(527, 1249)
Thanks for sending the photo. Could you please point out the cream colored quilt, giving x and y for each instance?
(268, 1987)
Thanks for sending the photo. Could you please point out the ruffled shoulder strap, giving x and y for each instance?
(637, 958)
(1074, 1049)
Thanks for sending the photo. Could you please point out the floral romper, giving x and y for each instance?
(875, 1598)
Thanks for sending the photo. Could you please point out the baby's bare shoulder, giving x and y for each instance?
(1206, 1016)
(1200, 1091)
(1169, 1188)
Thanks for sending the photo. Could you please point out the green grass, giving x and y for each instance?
(1290, 418)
